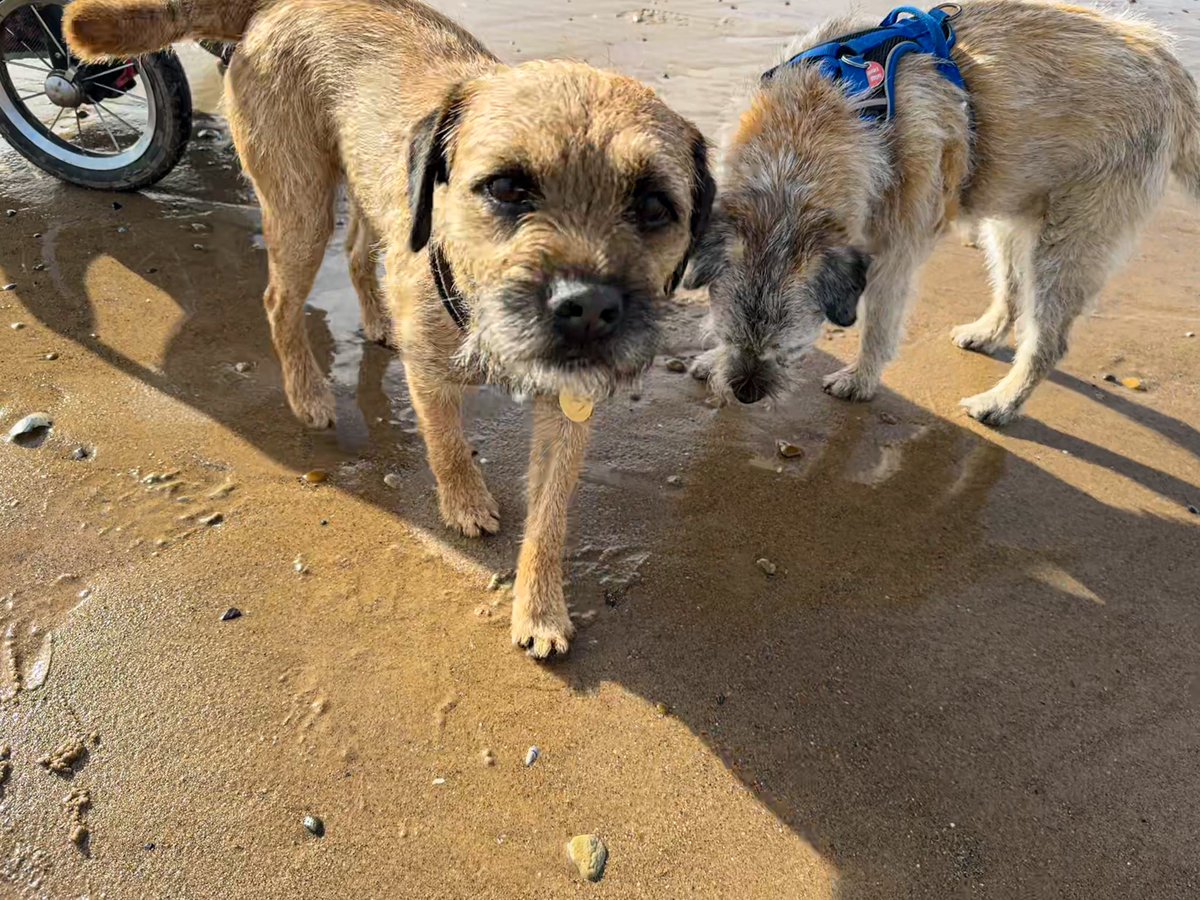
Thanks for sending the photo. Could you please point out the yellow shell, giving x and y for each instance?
(577, 409)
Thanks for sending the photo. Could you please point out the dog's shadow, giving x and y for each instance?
(960, 671)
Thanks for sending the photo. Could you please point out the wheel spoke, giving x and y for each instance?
(115, 116)
(66, 56)
(103, 121)
(78, 127)
(31, 96)
(121, 95)
(49, 67)
(61, 110)
(10, 62)
(107, 72)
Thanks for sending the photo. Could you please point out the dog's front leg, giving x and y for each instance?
(464, 500)
(540, 620)
(884, 306)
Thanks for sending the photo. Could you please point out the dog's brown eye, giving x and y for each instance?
(653, 211)
(511, 191)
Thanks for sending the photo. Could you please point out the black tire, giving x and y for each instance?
(172, 129)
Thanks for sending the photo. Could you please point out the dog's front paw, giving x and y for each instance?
(378, 330)
(990, 409)
(541, 623)
(849, 384)
(470, 508)
(978, 337)
(702, 366)
(313, 404)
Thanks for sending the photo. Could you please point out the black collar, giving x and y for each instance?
(452, 298)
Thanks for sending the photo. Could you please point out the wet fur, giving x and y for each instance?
(1059, 164)
(303, 97)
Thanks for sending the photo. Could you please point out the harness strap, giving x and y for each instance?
(867, 61)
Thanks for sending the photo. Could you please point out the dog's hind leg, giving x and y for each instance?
(1009, 253)
(296, 185)
(360, 251)
(540, 620)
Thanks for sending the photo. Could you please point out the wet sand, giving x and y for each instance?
(974, 674)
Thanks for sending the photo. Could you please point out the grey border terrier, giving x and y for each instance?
(1060, 147)
(532, 219)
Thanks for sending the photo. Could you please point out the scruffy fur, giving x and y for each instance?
(419, 121)
(1060, 149)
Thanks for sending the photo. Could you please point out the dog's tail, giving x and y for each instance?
(1187, 128)
(103, 29)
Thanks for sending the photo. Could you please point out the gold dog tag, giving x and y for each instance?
(577, 409)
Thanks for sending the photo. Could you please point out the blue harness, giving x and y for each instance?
(867, 61)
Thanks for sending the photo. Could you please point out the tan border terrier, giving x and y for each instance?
(1060, 147)
(532, 220)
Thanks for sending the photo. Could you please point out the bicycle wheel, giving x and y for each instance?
(116, 126)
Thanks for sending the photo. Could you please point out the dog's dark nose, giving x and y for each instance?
(748, 388)
(586, 311)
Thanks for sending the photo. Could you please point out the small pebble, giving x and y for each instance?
(1194, 510)
(316, 476)
(1112, 379)
(197, 246)
(1190, 334)
(888, 419)
(50, 357)
(438, 782)
(767, 566)
(531, 756)
(9, 287)
(17, 326)
(589, 856)
(314, 826)
(242, 367)
(199, 227)
(116, 205)
(122, 229)
(230, 614)
(299, 567)
(1134, 384)
(674, 480)
(29, 427)
(214, 519)
(79, 834)
(392, 480)
(789, 450)
(662, 709)
(39, 267)
(674, 364)
(488, 758)
(10, 213)
(80, 453)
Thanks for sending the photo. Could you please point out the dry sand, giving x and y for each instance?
(975, 672)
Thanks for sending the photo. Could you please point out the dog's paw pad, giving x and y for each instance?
(973, 337)
(316, 409)
(472, 515)
(702, 366)
(543, 639)
(849, 385)
(989, 410)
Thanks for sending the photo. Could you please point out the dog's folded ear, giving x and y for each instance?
(429, 163)
(704, 192)
(840, 283)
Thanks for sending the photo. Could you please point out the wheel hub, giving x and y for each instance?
(63, 91)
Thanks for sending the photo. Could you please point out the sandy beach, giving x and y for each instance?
(976, 672)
